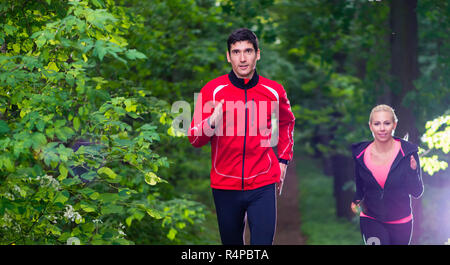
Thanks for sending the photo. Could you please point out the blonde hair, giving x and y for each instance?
(383, 107)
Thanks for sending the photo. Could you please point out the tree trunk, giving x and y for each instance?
(343, 174)
(404, 70)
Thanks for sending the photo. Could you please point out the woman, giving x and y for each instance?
(387, 172)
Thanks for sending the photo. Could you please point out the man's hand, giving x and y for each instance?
(217, 114)
(283, 168)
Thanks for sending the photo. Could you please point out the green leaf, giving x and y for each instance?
(7, 163)
(63, 171)
(4, 128)
(129, 106)
(109, 197)
(154, 213)
(9, 30)
(76, 123)
(90, 175)
(172, 233)
(108, 172)
(97, 3)
(39, 140)
(112, 208)
(87, 207)
(181, 225)
(40, 125)
(132, 54)
(70, 181)
(88, 227)
(151, 178)
(62, 197)
(100, 49)
(92, 194)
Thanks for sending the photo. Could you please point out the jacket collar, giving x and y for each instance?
(406, 147)
(240, 83)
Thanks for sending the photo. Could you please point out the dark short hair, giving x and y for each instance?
(243, 34)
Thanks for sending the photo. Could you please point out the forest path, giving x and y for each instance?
(288, 212)
(288, 219)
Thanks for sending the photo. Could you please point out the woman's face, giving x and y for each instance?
(382, 125)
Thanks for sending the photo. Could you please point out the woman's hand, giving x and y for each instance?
(355, 208)
(413, 163)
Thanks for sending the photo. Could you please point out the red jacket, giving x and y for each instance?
(242, 157)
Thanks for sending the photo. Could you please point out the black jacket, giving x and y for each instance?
(394, 201)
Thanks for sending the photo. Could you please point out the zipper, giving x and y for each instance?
(394, 166)
(245, 136)
(363, 165)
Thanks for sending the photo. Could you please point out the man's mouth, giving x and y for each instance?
(243, 67)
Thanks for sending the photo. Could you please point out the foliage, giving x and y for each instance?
(434, 162)
(433, 84)
(78, 157)
(437, 137)
(331, 66)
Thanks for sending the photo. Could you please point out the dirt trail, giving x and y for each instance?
(288, 218)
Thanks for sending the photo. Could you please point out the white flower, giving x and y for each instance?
(120, 230)
(53, 218)
(71, 215)
(9, 196)
(17, 188)
(7, 220)
(48, 180)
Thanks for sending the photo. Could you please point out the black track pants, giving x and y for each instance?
(377, 233)
(259, 205)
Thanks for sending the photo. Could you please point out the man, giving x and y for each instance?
(244, 170)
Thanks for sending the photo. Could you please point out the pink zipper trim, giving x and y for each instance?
(360, 154)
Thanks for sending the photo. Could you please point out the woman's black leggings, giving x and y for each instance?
(378, 233)
(260, 207)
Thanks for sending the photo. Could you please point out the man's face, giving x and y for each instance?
(243, 57)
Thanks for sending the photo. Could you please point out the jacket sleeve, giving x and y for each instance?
(286, 128)
(200, 132)
(359, 194)
(415, 183)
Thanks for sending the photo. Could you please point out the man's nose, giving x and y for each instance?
(242, 57)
